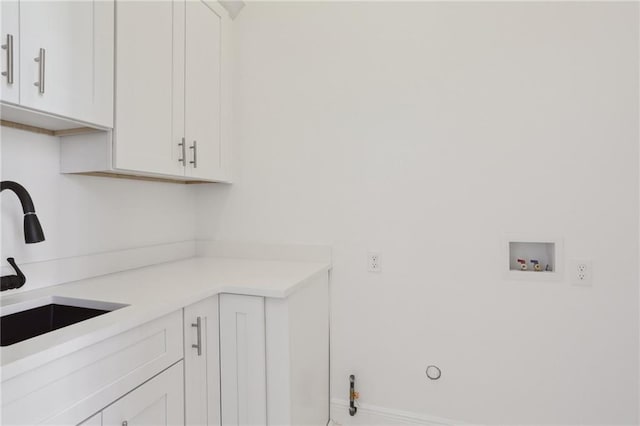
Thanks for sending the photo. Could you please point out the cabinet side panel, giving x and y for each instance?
(309, 340)
(86, 153)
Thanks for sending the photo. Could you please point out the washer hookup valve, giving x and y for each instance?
(536, 265)
(523, 264)
(353, 396)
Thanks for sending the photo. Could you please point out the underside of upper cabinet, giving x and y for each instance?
(47, 130)
(91, 154)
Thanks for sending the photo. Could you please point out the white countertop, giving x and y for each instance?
(150, 292)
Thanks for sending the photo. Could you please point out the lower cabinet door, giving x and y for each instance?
(160, 401)
(242, 360)
(202, 363)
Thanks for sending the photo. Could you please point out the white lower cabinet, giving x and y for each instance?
(242, 360)
(230, 360)
(70, 389)
(202, 363)
(274, 357)
(297, 358)
(160, 401)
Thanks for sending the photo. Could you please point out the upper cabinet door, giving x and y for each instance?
(66, 59)
(145, 139)
(203, 72)
(10, 39)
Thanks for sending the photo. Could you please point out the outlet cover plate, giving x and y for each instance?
(582, 272)
(373, 261)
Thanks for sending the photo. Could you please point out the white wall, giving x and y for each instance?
(81, 214)
(426, 131)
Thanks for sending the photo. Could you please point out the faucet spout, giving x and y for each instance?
(32, 229)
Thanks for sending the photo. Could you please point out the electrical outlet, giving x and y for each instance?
(583, 273)
(373, 261)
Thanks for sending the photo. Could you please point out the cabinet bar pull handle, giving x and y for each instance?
(194, 147)
(198, 326)
(9, 48)
(41, 61)
(184, 152)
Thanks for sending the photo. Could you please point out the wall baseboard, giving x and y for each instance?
(372, 415)
(57, 271)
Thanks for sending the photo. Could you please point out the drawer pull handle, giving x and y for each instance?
(40, 59)
(9, 48)
(194, 147)
(184, 153)
(198, 326)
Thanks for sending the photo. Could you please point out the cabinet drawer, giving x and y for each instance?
(158, 402)
(70, 389)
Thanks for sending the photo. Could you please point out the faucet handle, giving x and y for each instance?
(12, 262)
(9, 282)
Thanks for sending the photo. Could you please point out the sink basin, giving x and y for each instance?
(22, 321)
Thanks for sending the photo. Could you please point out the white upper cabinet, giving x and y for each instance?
(173, 95)
(10, 39)
(62, 59)
(145, 96)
